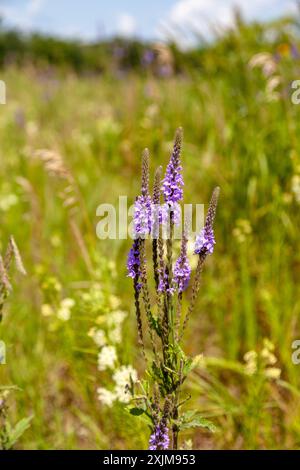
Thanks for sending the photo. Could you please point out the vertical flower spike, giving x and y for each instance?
(134, 271)
(133, 260)
(13, 252)
(155, 223)
(156, 209)
(142, 227)
(162, 316)
(204, 245)
(142, 207)
(159, 439)
(145, 173)
(4, 279)
(182, 269)
(173, 181)
(205, 241)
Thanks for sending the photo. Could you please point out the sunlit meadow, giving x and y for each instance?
(71, 142)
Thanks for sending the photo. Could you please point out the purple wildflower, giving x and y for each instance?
(205, 241)
(134, 261)
(182, 272)
(295, 52)
(142, 216)
(148, 57)
(165, 70)
(165, 213)
(159, 439)
(163, 281)
(173, 181)
(119, 52)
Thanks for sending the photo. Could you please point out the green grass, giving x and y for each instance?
(234, 137)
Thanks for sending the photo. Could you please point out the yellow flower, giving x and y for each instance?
(251, 362)
(273, 372)
(250, 356)
(268, 344)
(284, 49)
(268, 356)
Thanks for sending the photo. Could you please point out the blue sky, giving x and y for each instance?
(90, 19)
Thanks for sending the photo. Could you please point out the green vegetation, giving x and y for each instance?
(70, 142)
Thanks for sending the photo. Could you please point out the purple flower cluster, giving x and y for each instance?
(157, 218)
(167, 209)
(163, 281)
(173, 181)
(205, 241)
(159, 439)
(142, 216)
(134, 261)
(148, 57)
(182, 273)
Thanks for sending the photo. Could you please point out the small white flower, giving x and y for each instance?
(47, 310)
(115, 335)
(63, 313)
(98, 337)
(7, 201)
(114, 301)
(123, 374)
(107, 357)
(296, 187)
(67, 303)
(122, 378)
(106, 396)
(122, 394)
(116, 318)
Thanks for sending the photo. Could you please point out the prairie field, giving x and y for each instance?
(71, 141)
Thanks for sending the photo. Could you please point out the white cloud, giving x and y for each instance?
(34, 7)
(22, 17)
(126, 25)
(202, 15)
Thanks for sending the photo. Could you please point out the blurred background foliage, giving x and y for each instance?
(76, 119)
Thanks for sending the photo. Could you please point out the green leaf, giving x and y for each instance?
(141, 414)
(136, 411)
(188, 415)
(16, 432)
(191, 419)
(199, 422)
(188, 366)
(155, 324)
(179, 350)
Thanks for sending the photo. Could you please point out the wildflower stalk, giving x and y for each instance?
(4, 433)
(195, 291)
(12, 252)
(161, 392)
(136, 289)
(156, 203)
(146, 298)
(204, 245)
(7, 432)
